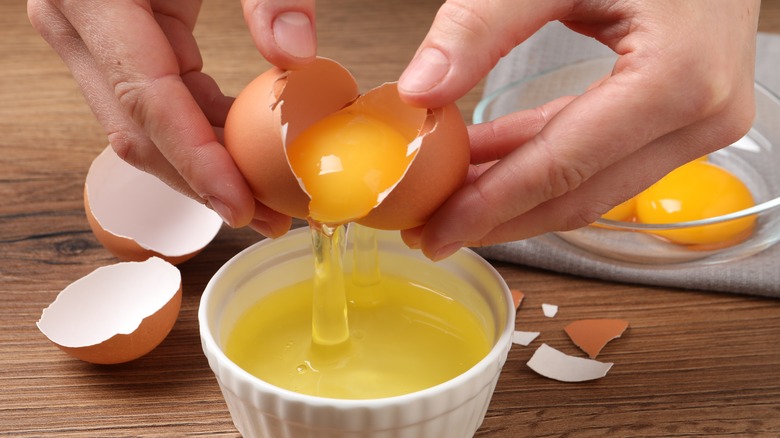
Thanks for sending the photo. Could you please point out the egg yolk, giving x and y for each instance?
(347, 162)
(694, 191)
(623, 212)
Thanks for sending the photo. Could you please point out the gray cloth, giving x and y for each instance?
(553, 46)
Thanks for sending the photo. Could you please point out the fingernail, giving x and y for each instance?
(446, 251)
(412, 243)
(222, 210)
(263, 228)
(426, 70)
(294, 34)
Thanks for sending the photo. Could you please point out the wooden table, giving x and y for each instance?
(692, 363)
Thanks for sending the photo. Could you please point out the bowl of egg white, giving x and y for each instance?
(721, 207)
(414, 349)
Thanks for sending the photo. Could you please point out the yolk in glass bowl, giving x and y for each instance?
(625, 212)
(694, 191)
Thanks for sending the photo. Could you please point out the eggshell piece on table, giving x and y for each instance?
(591, 335)
(554, 364)
(517, 297)
(524, 338)
(549, 310)
(117, 313)
(272, 111)
(136, 216)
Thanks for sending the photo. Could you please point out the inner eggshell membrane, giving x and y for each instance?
(116, 313)
(273, 108)
(135, 215)
(366, 147)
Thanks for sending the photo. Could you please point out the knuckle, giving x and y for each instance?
(130, 96)
(130, 147)
(739, 115)
(46, 19)
(467, 21)
(580, 217)
(37, 13)
(563, 176)
(584, 214)
(717, 92)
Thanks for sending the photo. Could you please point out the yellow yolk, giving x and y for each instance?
(346, 163)
(626, 211)
(697, 190)
(623, 212)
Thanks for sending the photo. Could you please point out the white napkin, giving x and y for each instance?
(554, 46)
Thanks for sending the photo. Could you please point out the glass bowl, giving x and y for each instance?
(754, 159)
(453, 409)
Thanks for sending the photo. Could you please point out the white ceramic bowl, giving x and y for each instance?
(755, 159)
(451, 409)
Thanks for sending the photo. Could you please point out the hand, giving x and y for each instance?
(139, 68)
(682, 87)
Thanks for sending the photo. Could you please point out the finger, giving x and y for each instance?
(214, 104)
(283, 31)
(143, 73)
(412, 237)
(630, 175)
(494, 139)
(465, 41)
(121, 131)
(268, 222)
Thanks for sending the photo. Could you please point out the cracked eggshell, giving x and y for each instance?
(438, 169)
(136, 216)
(117, 313)
(273, 109)
(278, 105)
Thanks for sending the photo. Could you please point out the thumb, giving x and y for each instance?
(466, 39)
(283, 30)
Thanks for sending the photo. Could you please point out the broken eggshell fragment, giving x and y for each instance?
(278, 105)
(591, 335)
(136, 216)
(117, 313)
(554, 364)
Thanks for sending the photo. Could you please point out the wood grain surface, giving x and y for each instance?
(691, 363)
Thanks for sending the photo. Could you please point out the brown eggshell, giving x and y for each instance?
(117, 313)
(136, 216)
(438, 170)
(275, 107)
(591, 335)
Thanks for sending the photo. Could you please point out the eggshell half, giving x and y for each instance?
(273, 109)
(278, 105)
(137, 216)
(117, 313)
(438, 169)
